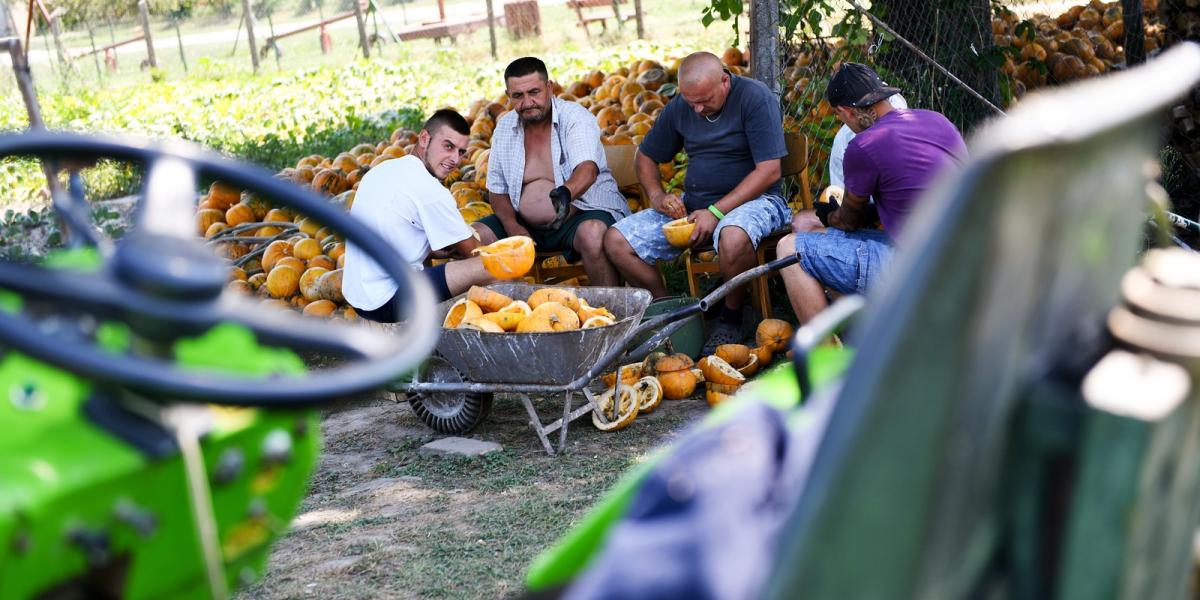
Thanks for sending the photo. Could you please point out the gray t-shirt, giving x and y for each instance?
(748, 130)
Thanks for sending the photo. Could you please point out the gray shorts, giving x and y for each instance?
(758, 218)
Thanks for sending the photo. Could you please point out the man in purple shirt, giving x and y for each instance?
(894, 157)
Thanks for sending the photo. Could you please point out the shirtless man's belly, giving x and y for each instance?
(535, 208)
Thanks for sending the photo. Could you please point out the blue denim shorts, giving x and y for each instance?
(758, 218)
(848, 262)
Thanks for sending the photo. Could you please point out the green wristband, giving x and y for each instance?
(712, 208)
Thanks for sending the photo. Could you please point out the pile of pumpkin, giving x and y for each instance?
(1085, 41)
(626, 102)
(293, 260)
(676, 376)
(546, 310)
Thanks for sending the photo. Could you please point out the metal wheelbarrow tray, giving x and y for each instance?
(454, 392)
(554, 359)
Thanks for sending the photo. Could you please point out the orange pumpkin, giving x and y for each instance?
(459, 312)
(717, 393)
(775, 334)
(205, 217)
(306, 248)
(649, 393)
(549, 317)
(734, 354)
(290, 262)
(616, 415)
(239, 213)
(319, 308)
(322, 261)
(507, 321)
(282, 282)
(278, 215)
(275, 251)
(329, 286)
(718, 371)
(481, 324)
(488, 300)
(508, 258)
(554, 294)
(308, 282)
(329, 182)
(221, 195)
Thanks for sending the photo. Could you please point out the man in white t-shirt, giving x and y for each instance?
(404, 201)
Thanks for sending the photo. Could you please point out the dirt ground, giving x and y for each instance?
(382, 521)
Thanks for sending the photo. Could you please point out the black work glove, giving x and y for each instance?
(824, 209)
(561, 198)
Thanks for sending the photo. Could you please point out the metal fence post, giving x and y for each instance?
(362, 29)
(248, 18)
(144, 11)
(764, 42)
(1135, 36)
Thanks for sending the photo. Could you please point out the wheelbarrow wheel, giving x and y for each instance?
(453, 412)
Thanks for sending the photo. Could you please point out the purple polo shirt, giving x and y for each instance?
(895, 159)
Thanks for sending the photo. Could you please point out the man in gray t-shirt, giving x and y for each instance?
(732, 130)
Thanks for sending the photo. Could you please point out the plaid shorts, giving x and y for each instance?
(846, 261)
(758, 218)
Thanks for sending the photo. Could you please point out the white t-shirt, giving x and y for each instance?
(842, 140)
(410, 208)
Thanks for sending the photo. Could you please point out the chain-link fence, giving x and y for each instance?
(970, 59)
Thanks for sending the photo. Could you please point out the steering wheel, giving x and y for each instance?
(162, 282)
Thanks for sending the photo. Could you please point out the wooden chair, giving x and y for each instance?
(598, 11)
(794, 164)
(621, 161)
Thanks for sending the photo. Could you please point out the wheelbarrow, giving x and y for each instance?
(453, 391)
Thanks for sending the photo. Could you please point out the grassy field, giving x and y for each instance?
(665, 22)
(383, 521)
(314, 103)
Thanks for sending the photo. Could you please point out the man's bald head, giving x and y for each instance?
(703, 83)
(699, 68)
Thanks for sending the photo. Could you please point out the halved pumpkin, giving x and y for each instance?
(679, 232)
(649, 393)
(459, 312)
(718, 371)
(616, 415)
(508, 258)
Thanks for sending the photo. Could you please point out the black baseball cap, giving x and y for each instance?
(857, 85)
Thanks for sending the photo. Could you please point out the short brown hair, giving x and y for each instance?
(447, 117)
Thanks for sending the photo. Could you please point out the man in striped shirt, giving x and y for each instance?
(547, 175)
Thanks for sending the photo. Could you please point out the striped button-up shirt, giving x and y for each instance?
(575, 139)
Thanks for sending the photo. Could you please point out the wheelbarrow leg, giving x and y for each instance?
(536, 423)
(566, 420)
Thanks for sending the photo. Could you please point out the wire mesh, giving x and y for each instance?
(998, 51)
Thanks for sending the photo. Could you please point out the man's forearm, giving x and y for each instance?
(502, 206)
(850, 215)
(650, 177)
(582, 178)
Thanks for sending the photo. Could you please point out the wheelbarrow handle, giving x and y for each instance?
(815, 331)
(655, 340)
(785, 261)
(619, 349)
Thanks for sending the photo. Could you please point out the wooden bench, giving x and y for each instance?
(598, 11)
